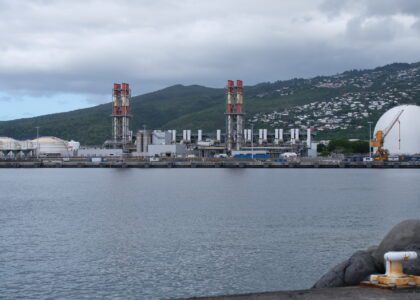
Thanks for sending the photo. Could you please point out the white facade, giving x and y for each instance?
(99, 152)
(404, 137)
(166, 150)
(160, 137)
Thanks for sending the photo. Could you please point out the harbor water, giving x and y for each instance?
(168, 233)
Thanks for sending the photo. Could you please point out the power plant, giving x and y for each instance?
(237, 141)
(394, 134)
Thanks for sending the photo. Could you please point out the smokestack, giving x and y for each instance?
(121, 133)
(174, 136)
(200, 135)
(308, 138)
(189, 135)
(239, 96)
(229, 115)
(230, 105)
(116, 97)
(239, 114)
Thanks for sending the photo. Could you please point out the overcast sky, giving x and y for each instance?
(62, 55)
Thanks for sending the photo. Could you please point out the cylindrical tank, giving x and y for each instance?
(404, 137)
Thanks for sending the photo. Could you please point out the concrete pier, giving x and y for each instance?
(227, 163)
(354, 292)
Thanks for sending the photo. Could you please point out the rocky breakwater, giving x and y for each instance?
(405, 236)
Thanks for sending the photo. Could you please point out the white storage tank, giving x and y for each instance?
(51, 146)
(404, 137)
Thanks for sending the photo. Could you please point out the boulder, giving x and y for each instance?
(350, 272)
(405, 236)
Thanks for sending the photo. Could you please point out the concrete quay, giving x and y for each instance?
(130, 163)
(354, 292)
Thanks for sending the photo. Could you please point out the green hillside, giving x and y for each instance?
(337, 106)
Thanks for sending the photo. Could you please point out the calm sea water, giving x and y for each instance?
(150, 234)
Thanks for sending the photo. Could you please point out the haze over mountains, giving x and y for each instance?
(336, 106)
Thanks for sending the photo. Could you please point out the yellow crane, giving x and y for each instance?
(378, 142)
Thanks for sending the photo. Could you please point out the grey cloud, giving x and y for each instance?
(5, 99)
(82, 47)
(371, 7)
(384, 29)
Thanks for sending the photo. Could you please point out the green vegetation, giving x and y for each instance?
(344, 146)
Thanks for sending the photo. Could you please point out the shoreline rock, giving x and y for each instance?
(403, 236)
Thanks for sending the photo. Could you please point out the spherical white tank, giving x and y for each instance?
(49, 145)
(404, 137)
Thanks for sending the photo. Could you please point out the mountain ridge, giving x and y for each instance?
(295, 102)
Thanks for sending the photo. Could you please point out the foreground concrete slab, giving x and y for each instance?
(354, 292)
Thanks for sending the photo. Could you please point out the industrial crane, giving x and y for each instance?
(381, 153)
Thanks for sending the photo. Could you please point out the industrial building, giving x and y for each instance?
(160, 143)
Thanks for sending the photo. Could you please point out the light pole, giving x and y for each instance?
(37, 142)
(370, 137)
(252, 141)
